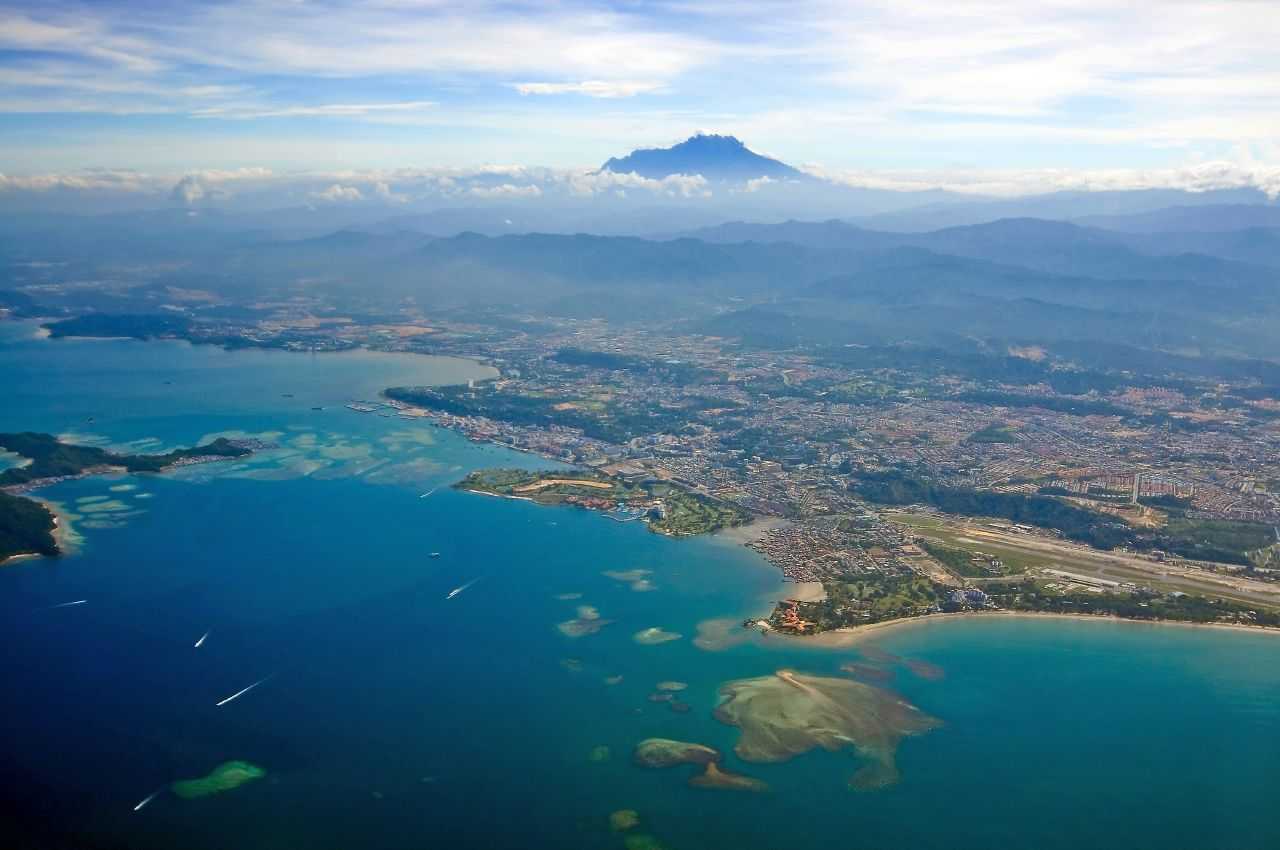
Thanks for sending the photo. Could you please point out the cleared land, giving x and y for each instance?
(568, 482)
(1023, 551)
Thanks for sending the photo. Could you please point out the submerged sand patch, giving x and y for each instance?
(789, 713)
(713, 777)
(722, 633)
(224, 777)
(637, 579)
(665, 752)
(654, 635)
(588, 622)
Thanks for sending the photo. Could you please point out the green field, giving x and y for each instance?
(1015, 560)
(960, 561)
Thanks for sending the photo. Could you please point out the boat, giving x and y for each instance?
(458, 590)
(435, 554)
(145, 800)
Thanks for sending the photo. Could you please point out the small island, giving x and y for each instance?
(665, 507)
(26, 526)
(225, 777)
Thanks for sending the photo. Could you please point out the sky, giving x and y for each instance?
(965, 93)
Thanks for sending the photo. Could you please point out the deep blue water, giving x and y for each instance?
(395, 718)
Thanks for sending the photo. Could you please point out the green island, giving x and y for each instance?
(225, 777)
(665, 507)
(26, 526)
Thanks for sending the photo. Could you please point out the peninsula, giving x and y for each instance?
(665, 507)
(49, 458)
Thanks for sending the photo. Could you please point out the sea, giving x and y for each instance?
(386, 713)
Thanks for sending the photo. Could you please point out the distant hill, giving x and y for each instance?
(1055, 247)
(1213, 218)
(1064, 248)
(714, 157)
(1067, 205)
(821, 235)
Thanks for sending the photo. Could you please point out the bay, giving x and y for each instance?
(391, 716)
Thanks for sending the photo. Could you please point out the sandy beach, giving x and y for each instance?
(21, 556)
(841, 638)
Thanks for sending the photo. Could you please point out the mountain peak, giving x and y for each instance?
(713, 156)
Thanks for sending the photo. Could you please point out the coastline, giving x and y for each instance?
(10, 560)
(749, 532)
(43, 332)
(65, 538)
(850, 637)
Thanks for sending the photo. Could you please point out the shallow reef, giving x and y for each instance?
(224, 777)
(654, 635)
(637, 579)
(588, 622)
(623, 819)
(664, 752)
(868, 672)
(713, 777)
(787, 714)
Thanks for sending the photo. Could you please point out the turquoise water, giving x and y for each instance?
(396, 718)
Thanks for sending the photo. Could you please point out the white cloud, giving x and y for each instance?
(583, 183)
(261, 188)
(505, 190)
(338, 193)
(1200, 177)
(189, 190)
(95, 180)
(207, 185)
(382, 190)
(590, 88)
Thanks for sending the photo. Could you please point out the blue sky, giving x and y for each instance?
(942, 90)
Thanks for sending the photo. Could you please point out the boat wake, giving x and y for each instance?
(147, 799)
(458, 590)
(243, 691)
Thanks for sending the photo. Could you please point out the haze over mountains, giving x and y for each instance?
(721, 251)
(702, 181)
